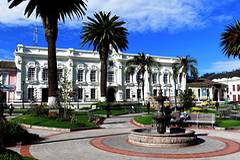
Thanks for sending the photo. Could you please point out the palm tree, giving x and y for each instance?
(187, 66)
(144, 63)
(175, 68)
(104, 31)
(230, 40)
(50, 14)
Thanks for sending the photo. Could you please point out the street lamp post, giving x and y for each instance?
(23, 83)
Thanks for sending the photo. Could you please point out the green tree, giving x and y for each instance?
(187, 66)
(144, 63)
(104, 31)
(66, 92)
(186, 99)
(50, 14)
(230, 40)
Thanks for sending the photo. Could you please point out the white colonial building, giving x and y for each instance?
(84, 73)
(233, 89)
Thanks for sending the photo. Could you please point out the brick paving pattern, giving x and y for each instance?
(77, 145)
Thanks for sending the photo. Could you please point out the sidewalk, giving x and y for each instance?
(76, 145)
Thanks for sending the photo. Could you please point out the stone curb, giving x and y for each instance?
(230, 148)
(135, 123)
(27, 126)
(220, 128)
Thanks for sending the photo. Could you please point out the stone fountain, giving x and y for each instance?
(160, 136)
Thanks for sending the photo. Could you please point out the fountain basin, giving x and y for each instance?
(150, 138)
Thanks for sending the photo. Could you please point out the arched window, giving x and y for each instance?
(110, 76)
(59, 73)
(31, 73)
(165, 78)
(128, 77)
(80, 75)
(44, 74)
(154, 78)
(93, 76)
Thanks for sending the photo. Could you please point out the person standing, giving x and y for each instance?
(148, 107)
(217, 106)
(11, 108)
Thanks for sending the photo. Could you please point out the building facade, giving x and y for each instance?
(82, 68)
(8, 72)
(204, 89)
(233, 87)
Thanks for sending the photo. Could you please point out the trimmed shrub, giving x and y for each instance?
(38, 110)
(13, 133)
(9, 155)
(102, 105)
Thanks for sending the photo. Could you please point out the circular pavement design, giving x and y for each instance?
(209, 147)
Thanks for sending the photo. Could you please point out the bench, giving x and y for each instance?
(201, 119)
(98, 120)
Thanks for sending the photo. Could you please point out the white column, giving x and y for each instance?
(19, 78)
(220, 94)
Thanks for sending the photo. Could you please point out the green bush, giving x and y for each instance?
(101, 105)
(67, 114)
(9, 155)
(186, 99)
(38, 110)
(13, 133)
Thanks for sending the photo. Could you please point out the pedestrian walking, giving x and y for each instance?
(148, 107)
(11, 108)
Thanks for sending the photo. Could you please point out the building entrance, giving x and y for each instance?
(44, 94)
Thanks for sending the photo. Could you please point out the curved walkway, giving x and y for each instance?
(77, 146)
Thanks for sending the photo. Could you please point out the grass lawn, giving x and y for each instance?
(228, 123)
(113, 112)
(122, 111)
(144, 119)
(81, 121)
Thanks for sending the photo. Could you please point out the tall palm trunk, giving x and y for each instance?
(150, 82)
(103, 84)
(143, 83)
(51, 32)
(175, 94)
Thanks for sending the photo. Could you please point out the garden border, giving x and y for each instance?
(66, 130)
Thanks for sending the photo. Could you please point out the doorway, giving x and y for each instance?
(44, 94)
(215, 97)
(111, 97)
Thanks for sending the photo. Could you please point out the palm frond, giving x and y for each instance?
(61, 9)
(104, 30)
(187, 65)
(230, 40)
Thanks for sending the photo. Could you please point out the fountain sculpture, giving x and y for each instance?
(159, 136)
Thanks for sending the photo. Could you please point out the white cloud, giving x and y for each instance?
(223, 66)
(14, 16)
(141, 15)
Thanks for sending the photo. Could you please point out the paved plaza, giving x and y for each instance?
(110, 143)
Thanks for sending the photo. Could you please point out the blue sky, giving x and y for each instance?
(157, 27)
